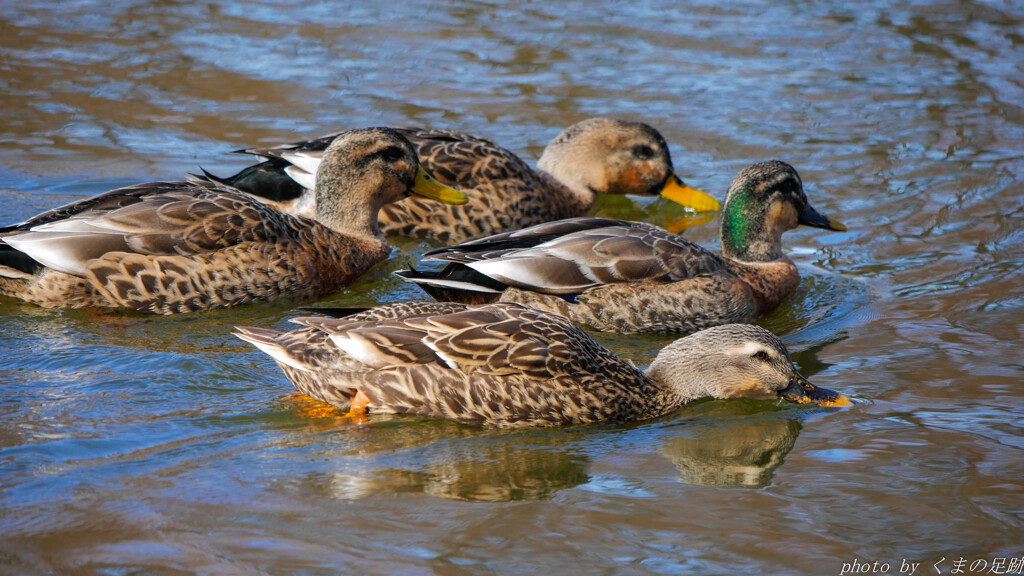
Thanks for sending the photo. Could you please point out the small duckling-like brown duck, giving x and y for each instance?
(171, 247)
(507, 365)
(599, 155)
(631, 277)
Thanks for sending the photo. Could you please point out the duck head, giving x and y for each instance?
(736, 361)
(362, 170)
(765, 200)
(603, 155)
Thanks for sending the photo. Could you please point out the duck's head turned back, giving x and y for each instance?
(362, 170)
(736, 361)
(765, 200)
(604, 155)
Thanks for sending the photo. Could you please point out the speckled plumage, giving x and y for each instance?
(631, 277)
(508, 365)
(596, 155)
(172, 247)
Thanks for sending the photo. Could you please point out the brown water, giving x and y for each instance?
(139, 445)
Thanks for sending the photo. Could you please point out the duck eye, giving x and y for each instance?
(761, 355)
(391, 154)
(643, 152)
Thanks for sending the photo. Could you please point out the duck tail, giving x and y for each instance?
(455, 283)
(334, 312)
(208, 176)
(267, 180)
(16, 264)
(267, 341)
(261, 338)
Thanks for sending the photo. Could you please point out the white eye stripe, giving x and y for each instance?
(751, 348)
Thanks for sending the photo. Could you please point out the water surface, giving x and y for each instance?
(131, 444)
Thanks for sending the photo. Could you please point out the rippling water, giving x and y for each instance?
(132, 444)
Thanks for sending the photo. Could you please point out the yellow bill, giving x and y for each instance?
(677, 191)
(428, 187)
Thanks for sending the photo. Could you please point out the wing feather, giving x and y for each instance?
(499, 339)
(160, 218)
(570, 256)
(307, 161)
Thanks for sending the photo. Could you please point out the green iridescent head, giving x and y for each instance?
(765, 200)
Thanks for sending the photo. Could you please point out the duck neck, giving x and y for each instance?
(770, 282)
(348, 210)
(679, 373)
(570, 179)
(676, 383)
(563, 200)
(747, 232)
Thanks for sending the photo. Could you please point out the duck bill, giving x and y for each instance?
(800, 391)
(677, 191)
(428, 187)
(811, 217)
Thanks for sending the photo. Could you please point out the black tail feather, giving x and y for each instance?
(334, 312)
(18, 260)
(458, 273)
(267, 180)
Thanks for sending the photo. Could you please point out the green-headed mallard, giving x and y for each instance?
(630, 277)
(599, 155)
(508, 365)
(169, 247)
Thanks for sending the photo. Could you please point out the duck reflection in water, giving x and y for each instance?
(479, 465)
(496, 475)
(734, 453)
(435, 458)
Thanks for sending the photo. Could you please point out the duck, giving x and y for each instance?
(505, 365)
(635, 278)
(186, 246)
(597, 155)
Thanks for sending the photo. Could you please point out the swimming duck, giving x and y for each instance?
(170, 247)
(599, 155)
(507, 365)
(631, 277)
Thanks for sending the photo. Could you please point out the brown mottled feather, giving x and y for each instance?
(170, 247)
(619, 276)
(504, 193)
(510, 366)
(632, 277)
(498, 365)
(191, 246)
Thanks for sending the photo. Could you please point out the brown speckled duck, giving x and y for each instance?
(170, 247)
(507, 365)
(630, 277)
(599, 155)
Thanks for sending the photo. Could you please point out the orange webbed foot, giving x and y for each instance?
(357, 411)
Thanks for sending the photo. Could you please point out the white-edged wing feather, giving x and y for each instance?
(303, 178)
(303, 167)
(446, 283)
(66, 245)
